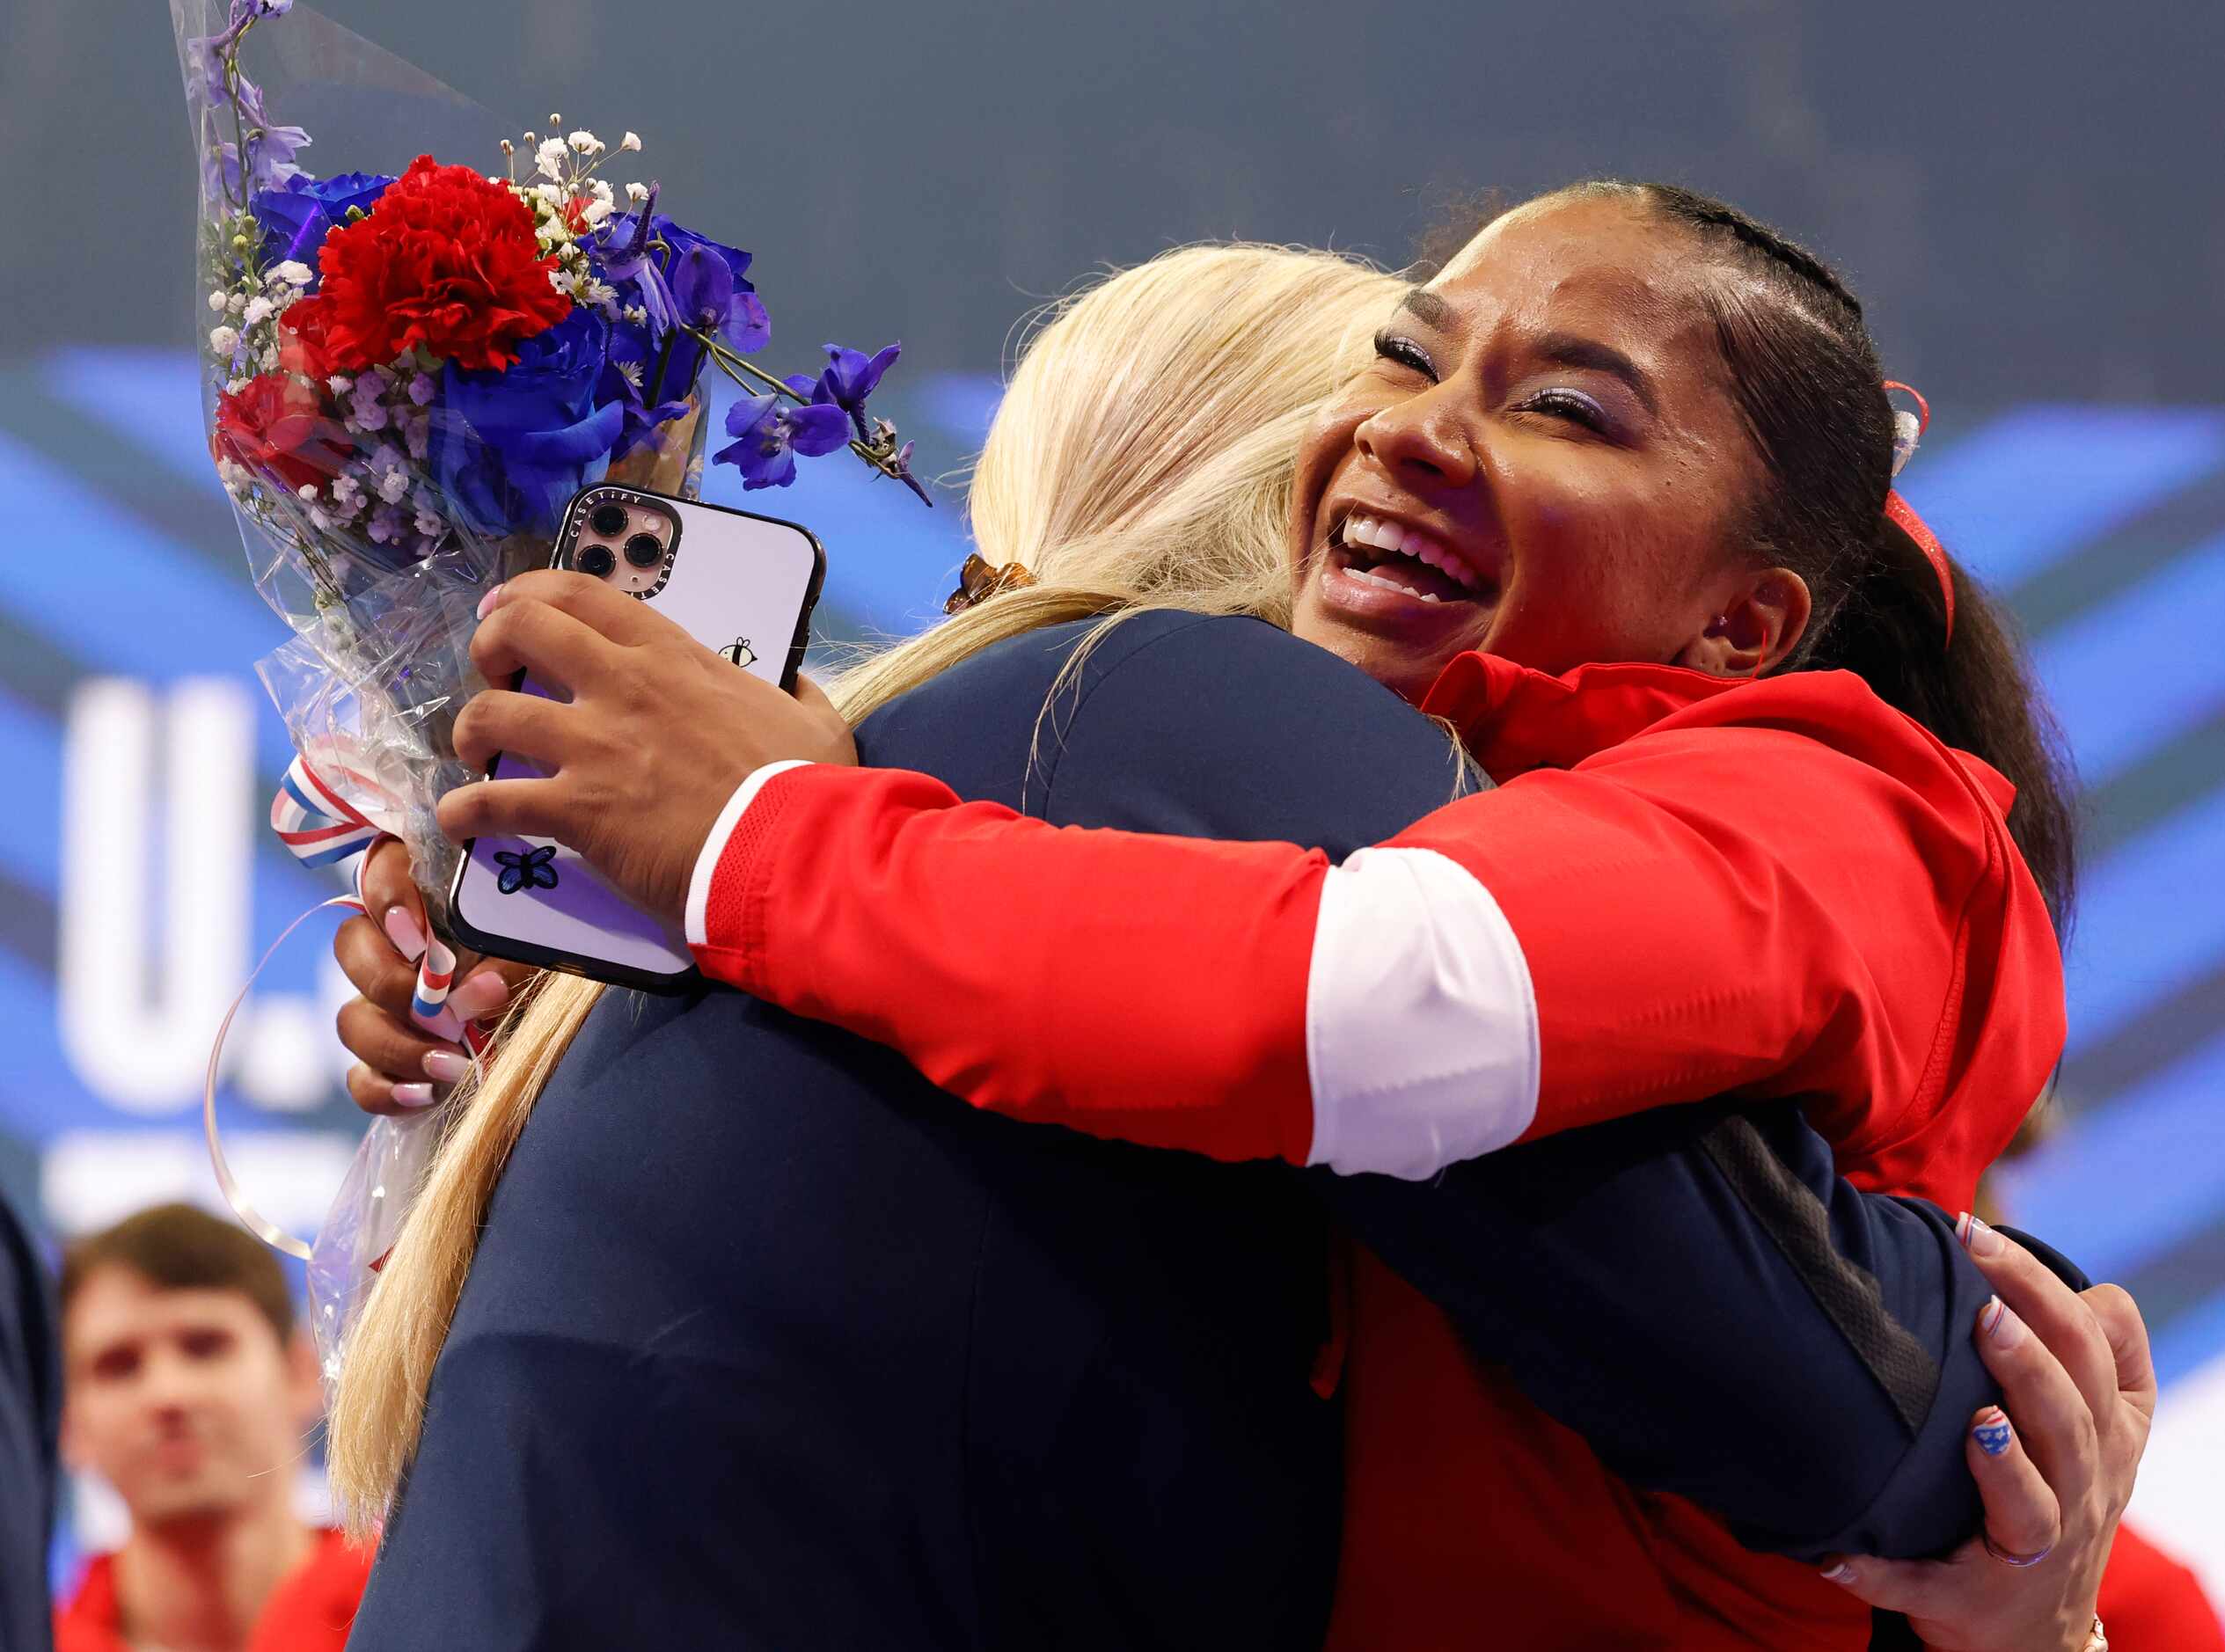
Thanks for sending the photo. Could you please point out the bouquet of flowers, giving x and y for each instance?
(407, 376)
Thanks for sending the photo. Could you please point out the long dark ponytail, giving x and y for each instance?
(1808, 382)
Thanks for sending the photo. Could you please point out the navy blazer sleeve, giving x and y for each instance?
(1694, 1289)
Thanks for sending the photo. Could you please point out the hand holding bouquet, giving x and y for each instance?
(408, 375)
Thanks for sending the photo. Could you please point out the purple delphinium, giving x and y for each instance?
(625, 255)
(850, 376)
(771, 431)
(626, 374)
(270, 149)
(705, 296)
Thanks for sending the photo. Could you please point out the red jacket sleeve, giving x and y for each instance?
(1050, 972)
(1703, 908)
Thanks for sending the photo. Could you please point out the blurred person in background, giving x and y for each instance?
(29, 1397)
(189, 1388)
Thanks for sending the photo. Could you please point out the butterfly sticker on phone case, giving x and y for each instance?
(527, 871)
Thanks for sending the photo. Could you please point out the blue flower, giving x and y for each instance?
(707, 296)
(850, 376)
(772, 431)
(511, 449)
(297, 218)
(625, 377)
(642, 255)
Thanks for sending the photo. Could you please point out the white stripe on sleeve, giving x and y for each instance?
(1420, 1024)
(707, 862)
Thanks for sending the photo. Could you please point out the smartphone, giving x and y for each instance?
(742, 584)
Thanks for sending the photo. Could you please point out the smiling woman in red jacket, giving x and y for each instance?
(1777, 817)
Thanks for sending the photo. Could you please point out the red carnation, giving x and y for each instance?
(277, 428)
(446, 262)
(304, 341)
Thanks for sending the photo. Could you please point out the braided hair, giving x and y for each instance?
(1805, 375)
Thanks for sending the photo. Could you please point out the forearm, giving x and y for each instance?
(1021, 966)
(1697, 1292)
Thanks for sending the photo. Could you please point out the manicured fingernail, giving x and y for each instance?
(1992, 1431)
(480, 997)
(414, 1095)
(401, 929)
(445, 1066)
(2001, 1324)
(1842, 1573)
(1976, 1236)
(487, 603)
(443, 1025)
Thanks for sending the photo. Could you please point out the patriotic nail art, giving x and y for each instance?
(1992, 1431)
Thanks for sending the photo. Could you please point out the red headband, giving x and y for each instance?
(1902, 515)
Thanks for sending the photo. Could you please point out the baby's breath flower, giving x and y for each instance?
(237, 303)
(548, 160)
(637, 193)
(224, 341)
(293, 272)
(216, 302)
(585, 142)
(258, 310)
(631, 142)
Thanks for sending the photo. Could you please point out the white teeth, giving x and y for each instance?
(1393, 539)
(1424, 549)
(1373, 578)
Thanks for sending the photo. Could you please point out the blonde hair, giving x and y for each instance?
(1141, 459)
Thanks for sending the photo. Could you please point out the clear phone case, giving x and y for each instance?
(742, 584)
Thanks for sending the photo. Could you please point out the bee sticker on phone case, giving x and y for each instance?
(739, 651)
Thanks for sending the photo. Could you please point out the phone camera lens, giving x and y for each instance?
(645, 550)
(609, 521)
(594, 560)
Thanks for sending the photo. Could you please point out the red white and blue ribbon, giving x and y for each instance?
(322, 828)
(313, 820)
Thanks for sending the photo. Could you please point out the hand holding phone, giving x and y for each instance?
(741, 584)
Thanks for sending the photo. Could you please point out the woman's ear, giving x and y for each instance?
(1762, 622)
